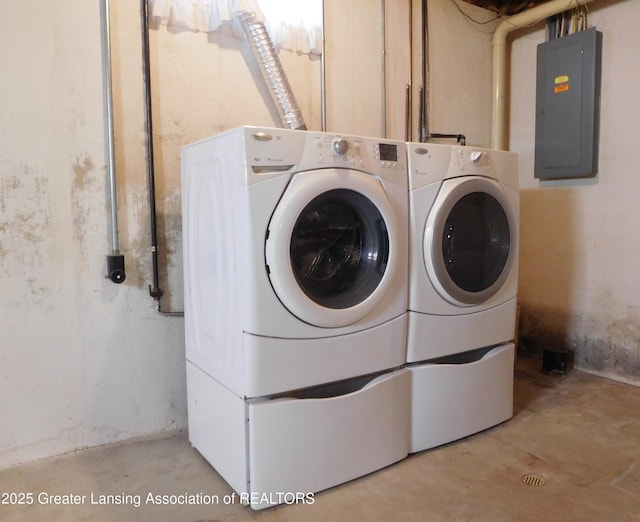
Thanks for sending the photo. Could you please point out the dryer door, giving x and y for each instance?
(470, 240)
(331, 248)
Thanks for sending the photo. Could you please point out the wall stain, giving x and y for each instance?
(137, 240)
(612, 350)
(617, 352)
(81, 167)
(24, 219)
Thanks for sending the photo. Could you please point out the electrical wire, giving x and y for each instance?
(568, 22)
(497, 17)
(506, 9)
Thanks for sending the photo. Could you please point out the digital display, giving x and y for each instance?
(388, 152)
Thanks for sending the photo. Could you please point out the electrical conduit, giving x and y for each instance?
(115, 261)
(508, 25)
(154, 289)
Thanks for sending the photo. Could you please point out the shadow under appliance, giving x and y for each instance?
(295, 257)
(463, 280)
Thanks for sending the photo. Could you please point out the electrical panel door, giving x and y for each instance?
(567, 106)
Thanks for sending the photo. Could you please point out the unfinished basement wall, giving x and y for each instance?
(459, 57)
(84, 361)
(580, 252)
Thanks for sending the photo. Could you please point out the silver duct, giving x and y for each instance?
(272, 71)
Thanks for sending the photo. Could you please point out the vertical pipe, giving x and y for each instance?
(407, 113)
(422, 136)
(115, 261)
(499, 76)
(323, 73)
(409, 86)
(498, 110)
(111, 160)
(154, 288)
(424, 96)
(384, 68)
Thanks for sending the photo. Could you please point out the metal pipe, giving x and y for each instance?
(111, 160)
(407, 113)
(115, 262)
(323, 76)
(424, 94)
(499, 77)
(409, 87)
(154, 289)
(422, 129)
(460, 138)
(384, 69)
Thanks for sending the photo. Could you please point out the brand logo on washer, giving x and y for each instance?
(422, 150)
(262, 136)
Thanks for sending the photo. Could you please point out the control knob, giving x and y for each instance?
(475, 156)
(340, 146)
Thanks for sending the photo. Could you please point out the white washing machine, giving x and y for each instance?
(295, 258)
(463, 280)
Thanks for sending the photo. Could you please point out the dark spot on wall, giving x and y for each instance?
(613, 352)
(81, 167)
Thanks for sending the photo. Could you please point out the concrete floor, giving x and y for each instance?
(578, 433)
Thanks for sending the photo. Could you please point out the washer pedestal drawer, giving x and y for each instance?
(278, 449)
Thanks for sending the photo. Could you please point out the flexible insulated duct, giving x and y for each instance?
(272, 72)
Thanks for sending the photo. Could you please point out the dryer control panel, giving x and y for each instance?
(474, 160)
(433, 163)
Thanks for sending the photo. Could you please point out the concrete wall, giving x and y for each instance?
(579, 287)
(459, 52)
(84, 361)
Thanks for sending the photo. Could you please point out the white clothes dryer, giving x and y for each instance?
(463, 248)
(295, 261)
(463, 278)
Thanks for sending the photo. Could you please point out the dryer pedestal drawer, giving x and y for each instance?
(450, 401)
(275, 450)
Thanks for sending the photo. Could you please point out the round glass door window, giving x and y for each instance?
(475, 242)
(339, 248)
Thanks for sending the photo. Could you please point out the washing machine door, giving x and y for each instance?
(470, 240)
(331, 247)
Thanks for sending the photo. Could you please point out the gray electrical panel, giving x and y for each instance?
(567, 106)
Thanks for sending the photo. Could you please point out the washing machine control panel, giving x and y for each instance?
(273, 151)
(388, 151)
(340, 146)
(353, 152)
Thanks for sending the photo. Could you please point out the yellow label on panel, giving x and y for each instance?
(561, 88)
(561, 79)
